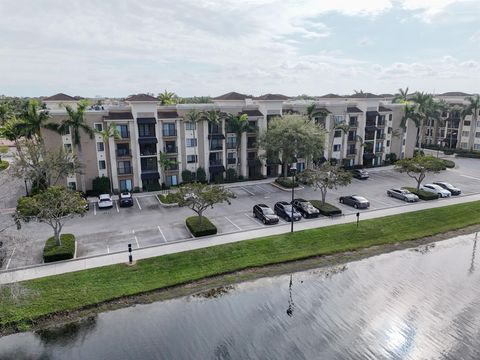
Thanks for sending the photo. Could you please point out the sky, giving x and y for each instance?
(115, 48)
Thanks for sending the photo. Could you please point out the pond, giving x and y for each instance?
(421, 303)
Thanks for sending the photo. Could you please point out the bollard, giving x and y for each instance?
(358, 218)
(130, 257)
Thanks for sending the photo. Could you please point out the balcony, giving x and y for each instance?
(380, 137)
(231, 161)
(216, 162)
(353, 124)
(216, 147)
(169, 133)
(251, 145)
(379, 150)
(351, 152)
(149, 169)
(369, 136)
(123, 153)
(231, 145)
(126, 170)
(170, 149)
(381, 123)
(148, 150)
(352, 139)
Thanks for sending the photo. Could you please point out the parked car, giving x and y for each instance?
(126, 199)
(286, 211)
(361, 174)
(105, 201)
(84, 197)
(402, 194)
(265, 214)
(435, 189)
(447, 186)
(358, 202)
(305, 208)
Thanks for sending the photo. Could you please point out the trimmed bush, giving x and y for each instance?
(231, 175)
(201, 175)
(168, 199)
(326, 209)
(100, 185)
(286, 182)
(449, 164)
(424, 195)
(3, 165)
(187, 176)
(471, 154)
(52, 252)
(448, 152)
(203, 229)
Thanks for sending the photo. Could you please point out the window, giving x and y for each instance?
(231, 142)
(100, 146)
(169, 129)
(337, 147)
(102, 165)
(191, 142)
(353, 121)
(124, 149)
(126, 185)
(476, 146)
(124, 167)
(478, 124)
(388, 142)
(72, 185)
(191, 159)
(466, 123)
(190, 126)
(231, 158)
(339, 119)
(146, 130)
(337, 133)
(463, 145)
(67, 147)
(172, 180)
(465, 133)
(390, 117)
(123, 131)
(389, 130)
(98, 127)
(477, 134)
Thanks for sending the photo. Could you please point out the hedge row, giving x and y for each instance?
(422, 194)
(3, 165)
(326, 209)
(203, 229)
(52, 252)
(286, 182)
(168, 199)
(449, 164)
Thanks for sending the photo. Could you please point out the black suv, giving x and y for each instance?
(265, 214)
(305, 208)
(286, 211)
(361, 174)
(125, 199)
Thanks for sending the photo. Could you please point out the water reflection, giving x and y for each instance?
(403, 305)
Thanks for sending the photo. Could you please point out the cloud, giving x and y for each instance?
(365, 41)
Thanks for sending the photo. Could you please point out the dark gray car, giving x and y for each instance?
(358, 202)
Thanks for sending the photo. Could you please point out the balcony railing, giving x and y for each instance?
(379, 150)
(352, 152)
(231, 146)
(170, 149)
(251, 145)
(125, 170)
(149, 169)
(231, 161)
(124, 135)
(148, 152)
(123, 153)
(380, 136)
(352, 139)
(381, 123)
(216, 162)
(215, 147)
(369, 136)
(169, 133)
(353, 124)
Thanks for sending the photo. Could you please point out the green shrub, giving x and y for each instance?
(152, 187)
(187, 176)
(448, 152)
(231, 175)
(3, 165)
(418, 152)
(286, 182)
(203, 229)
(326, 209)
(100, 185)
(471, 154)
(449, 164)
(168, 198)
(424, 195)
(218, 179)
(201, 175)
(66, 251)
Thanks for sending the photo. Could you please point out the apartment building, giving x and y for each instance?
(360, 131)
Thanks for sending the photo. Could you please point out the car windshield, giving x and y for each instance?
(104, 199)
(267, 211)
(361, 199)
(287, 207)
(449, 186)
(406, 192)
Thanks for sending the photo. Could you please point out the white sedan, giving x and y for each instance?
(435, 189)
(105, 201)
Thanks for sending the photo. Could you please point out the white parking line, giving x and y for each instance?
(156, 196)
(244, 189)
(108, 249)
(231, 222)
(94, 208)
(136, 240)
(138, 203)
(188, 230)
(470, 177)
(253, 219)
(116, 205)
(262, 189)
(161, 232)
(10, 258)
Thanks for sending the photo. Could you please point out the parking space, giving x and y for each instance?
(147, 202)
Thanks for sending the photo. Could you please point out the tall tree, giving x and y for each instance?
(213, 117)
(312, 112)
(167, 98)
(238, 124)
(109, 132)
(166, 163)
(34, 119)
(76, 123)
(402, 97)
(12, 131)
(291, 136)
(194, 117)
(472, 108)
(53, 206)
(418, 167)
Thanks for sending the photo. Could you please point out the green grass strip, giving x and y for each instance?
(76, 290)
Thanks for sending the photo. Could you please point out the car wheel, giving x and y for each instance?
(304, 215)
(355, 206)
(254, 215)
(264, 221)
(389, 195)
(405, 199)
(341, 201)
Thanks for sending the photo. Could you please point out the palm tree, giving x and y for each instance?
(473, 108)
(238, 124)
(167, 98)
(110, 131)
(212, 117)
(34, 120)
(12, 130)
(194, 117)
(166, 163)
(313, 112)
(402, 97)
(76, 123)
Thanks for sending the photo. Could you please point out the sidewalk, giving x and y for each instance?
(38, 271)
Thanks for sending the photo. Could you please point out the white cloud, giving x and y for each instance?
(365, 41)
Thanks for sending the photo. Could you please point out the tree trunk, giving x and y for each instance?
(200, 217)
(239, 145)
(56, 232)
(285, 169)
(80, 160)
(324, 194)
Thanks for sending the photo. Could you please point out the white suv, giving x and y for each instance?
(105, 201)
(432, 188)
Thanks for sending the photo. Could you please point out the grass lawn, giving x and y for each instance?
(80, 289)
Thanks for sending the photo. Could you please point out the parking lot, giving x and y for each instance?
(148, 223)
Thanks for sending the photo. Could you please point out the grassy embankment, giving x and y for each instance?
(73, 291)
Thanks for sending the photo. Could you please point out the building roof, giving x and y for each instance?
(254, 112)
(353, 109)
(330, 96)
(454, 93)
(172, 114)
(119, 115)
(141, 97)
(383, 109)
(231, 96)
(386, 95)
(272, 97)
(60, 97)
(366, 95)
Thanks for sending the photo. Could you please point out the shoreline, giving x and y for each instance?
(210, 286)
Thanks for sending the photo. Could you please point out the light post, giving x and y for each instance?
(293, 170)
